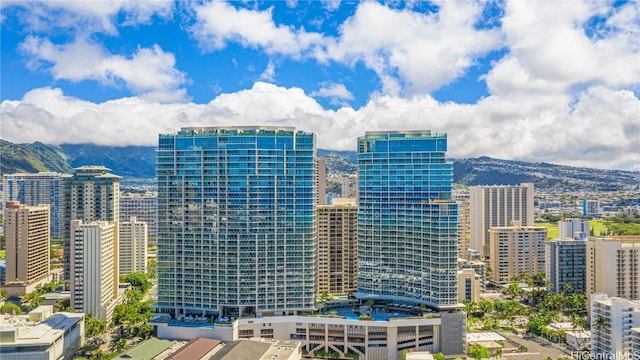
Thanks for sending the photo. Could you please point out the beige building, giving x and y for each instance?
(497, 206)
(464, 223)
(27, 247)
(132, 245)
(469, 285)
(337, 247)
(94, 268)
(613, 266)
(516, 250)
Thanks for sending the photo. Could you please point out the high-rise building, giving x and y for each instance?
(498, 206)
(407, 222)
(36, 189)
(144, 207)
(464, 222)
(321, 180)
(27, 247)
(94, 268)
(91, 194)
(591, 207)
(337, 247)
(236, 221)
(612, 319)
(566, 263)
(613, 266)
(516, 250)
(573, 228)
(132, 246)
(349, 187)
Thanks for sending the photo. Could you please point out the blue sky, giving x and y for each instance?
(539, 81)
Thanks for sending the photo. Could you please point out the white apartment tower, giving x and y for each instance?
(144, 207)
(464, 230)
(613, 266)
(498, 206)
(573, 228)
(35, 189)
(132, 245)
(94, 268)
(27, 247)
(612, 319)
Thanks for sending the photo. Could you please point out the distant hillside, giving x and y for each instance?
(29, 158)
(139, 162)
(127, 161)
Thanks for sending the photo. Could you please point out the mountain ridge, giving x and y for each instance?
(138, 162)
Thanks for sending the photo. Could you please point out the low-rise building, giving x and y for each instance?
(340, 336)
(469, 285)
(41, 335)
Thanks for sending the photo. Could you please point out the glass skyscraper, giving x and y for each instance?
(236, 221)
(407, 222)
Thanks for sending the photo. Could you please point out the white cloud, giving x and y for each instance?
(150, 71)
(219, 22)
(551, 128)
(414, 52)
(88, 16)
(333, 90)
(269, 72)
(551, 52)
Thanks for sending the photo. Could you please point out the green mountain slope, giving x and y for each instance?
(29, 158)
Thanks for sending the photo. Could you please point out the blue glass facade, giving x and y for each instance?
(236, 221)
(407, 223)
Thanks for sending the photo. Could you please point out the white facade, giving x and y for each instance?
(613, 266)
(611, 322)
(371, 340)
(573, 228)
(45, 336)
(144, 207)
(94, 268)
(496, 206)
(132, 245)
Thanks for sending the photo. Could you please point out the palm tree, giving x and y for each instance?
(601, 325)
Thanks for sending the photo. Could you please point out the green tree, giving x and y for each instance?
(95, 327)
(10, 308)
(139, 281)
(438, 356)
(4, 295)
(480, 352)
